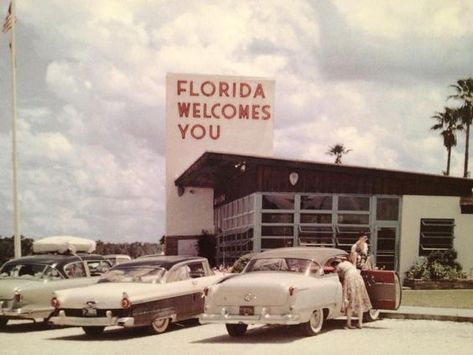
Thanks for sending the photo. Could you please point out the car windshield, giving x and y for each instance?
(145, 274)
(30, 271)
(280, 264)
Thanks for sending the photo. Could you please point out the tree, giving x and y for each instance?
(464, 93)
(338, 150)
(7, 250)
(448, 124)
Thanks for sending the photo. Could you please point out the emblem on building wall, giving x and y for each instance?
(293, 178)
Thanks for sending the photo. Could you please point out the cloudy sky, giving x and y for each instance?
(91, 90)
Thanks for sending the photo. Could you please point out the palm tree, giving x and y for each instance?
(464, 89)
(448, 124)
(338, 150)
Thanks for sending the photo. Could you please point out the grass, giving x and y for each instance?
(438, 298)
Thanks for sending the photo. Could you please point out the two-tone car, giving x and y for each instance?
(148, 292)
(291, 286)
(27, 283)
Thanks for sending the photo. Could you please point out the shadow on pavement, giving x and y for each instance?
(27, 326)
(119, 333)
(272, 334)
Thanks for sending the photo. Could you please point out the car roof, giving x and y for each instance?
(48, 259)
(117, 256)
(318, 254)
(165, 261)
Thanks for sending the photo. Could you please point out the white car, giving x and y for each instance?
(291, 286)
(117, 258)
(149, 292)
(27, 283)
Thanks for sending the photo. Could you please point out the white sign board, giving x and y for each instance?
(227, 114)
(187, 247)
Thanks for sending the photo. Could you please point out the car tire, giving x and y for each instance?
(3, 322)
(93, 331)
(314, 325)
(236, 330)
(371, 315)
(159, 325)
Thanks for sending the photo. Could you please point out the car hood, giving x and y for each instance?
(258, 288)
(10, 285)
(109, 294)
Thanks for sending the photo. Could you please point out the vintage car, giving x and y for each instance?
(27, 283)
(148, 292)
(117, 258)
(291, 286)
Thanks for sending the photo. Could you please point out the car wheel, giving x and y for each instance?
(236, 330)
(314, 325)
(93, 331)
(160, 325)
(3, 322)
(371, 315)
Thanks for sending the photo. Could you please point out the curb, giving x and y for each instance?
(451, 318)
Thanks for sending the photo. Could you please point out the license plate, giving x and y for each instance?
(89, 312)
(247, 310)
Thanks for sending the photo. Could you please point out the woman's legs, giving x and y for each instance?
(360, 317)
(349, 313)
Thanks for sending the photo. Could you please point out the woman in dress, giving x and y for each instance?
(355, 296)
(359, 252)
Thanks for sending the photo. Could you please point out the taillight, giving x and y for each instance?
(18, 297)
(206, 291)
(125, 302)
(55, 302)
(291, 290)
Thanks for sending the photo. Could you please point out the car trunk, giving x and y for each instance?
(254, 289)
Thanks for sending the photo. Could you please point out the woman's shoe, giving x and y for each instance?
(349, 327)
(359, 326)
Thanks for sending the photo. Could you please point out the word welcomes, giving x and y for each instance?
(213, 102)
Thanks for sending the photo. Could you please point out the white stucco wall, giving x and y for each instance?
(200, 117)
(416, 207)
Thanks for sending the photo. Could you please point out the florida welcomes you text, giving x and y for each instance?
(219, 100)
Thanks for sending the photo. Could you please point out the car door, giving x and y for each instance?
(199, 282)
(182, 300)
(384, 288)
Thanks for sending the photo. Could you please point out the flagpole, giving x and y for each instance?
(16, 209)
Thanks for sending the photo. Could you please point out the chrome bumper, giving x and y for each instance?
(289, 318)
(25, 313)
(106, 321)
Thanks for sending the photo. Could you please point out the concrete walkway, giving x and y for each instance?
(430, 313)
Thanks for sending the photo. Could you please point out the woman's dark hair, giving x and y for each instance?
(335, 262)
(361, 234)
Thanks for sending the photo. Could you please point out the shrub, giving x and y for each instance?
(438, 265)
(241, 262)
(419, 270)
(207, 247)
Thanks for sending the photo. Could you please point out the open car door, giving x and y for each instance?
(384, 288)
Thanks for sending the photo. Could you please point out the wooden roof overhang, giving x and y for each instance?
(238, 175)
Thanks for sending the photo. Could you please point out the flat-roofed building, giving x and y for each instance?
(261, 203)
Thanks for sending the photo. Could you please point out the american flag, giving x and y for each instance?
(7, 25)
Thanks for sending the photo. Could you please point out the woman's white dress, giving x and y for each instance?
(355, 295)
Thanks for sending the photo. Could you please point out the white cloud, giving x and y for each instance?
(392, 18)
(91, 74)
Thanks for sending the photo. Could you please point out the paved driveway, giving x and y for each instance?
(388, 336)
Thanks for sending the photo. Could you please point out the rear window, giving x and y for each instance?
(283, 264)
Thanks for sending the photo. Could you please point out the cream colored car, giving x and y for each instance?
(290, 286)
(148, 292)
